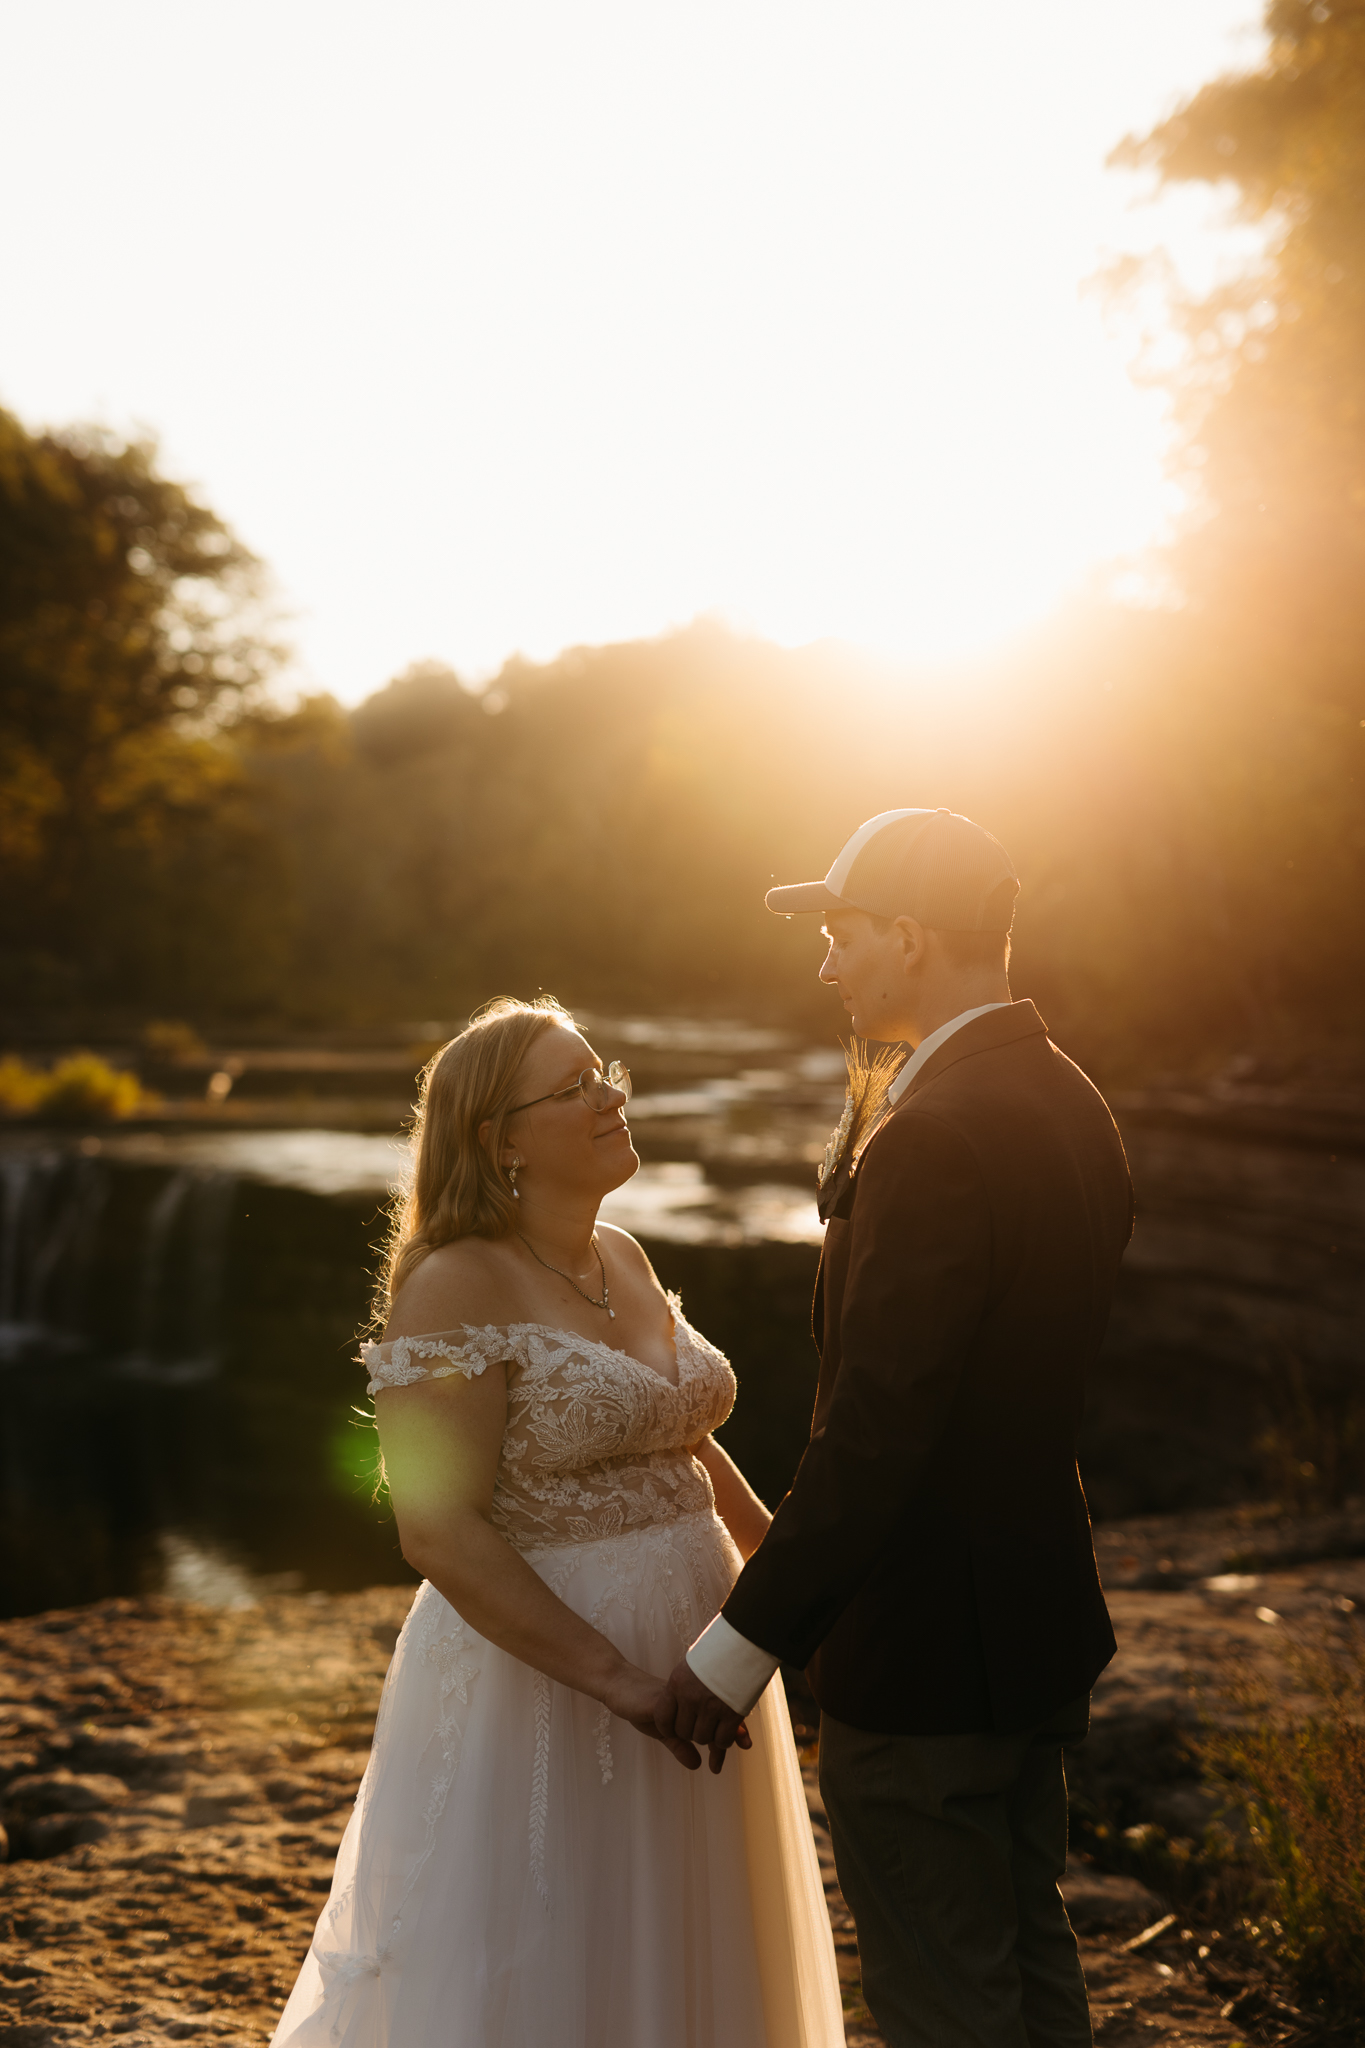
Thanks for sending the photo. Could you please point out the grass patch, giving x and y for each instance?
(1300, 1783)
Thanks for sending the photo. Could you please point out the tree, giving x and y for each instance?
(130, 633)
(1271, 387)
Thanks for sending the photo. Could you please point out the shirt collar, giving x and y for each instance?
(927, 1047)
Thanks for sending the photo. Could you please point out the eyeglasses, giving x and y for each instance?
(596, 1088)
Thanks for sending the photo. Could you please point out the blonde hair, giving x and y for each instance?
(458, 1188)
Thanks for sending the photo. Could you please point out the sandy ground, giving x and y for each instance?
(177, 1779)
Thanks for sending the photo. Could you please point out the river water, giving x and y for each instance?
(179, 1309)
(180, 1306)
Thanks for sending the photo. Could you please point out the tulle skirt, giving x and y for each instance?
(524, 1871)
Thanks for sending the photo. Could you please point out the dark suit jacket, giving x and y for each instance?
(933, 1564)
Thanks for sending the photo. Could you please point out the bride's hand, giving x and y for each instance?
(633, 1695)
(689, 1707)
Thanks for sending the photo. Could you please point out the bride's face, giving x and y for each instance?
(562, 1141)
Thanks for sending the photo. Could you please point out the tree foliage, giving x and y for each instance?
(609, 832)
(1179, 788)
(1271, 388)
(130, 631)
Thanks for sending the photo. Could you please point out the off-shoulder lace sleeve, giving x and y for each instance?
(465, 1350)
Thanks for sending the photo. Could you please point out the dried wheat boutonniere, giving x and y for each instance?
(871, 1070)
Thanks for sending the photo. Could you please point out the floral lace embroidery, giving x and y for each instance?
(540, 1787)
(696, 1573)
(434, 1633)
(595, 1443)
(604, 1756)
(477, 1350)
(594, 1448)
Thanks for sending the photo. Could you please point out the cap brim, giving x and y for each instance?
(799, 896)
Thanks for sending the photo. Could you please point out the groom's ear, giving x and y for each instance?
(911, 939)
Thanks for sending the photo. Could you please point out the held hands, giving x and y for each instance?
(635, 1696)
(679, 1711)
(686, 1708)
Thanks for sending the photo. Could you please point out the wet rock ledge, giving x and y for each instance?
(175, 1779)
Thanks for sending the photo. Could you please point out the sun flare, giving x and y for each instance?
(513, 327)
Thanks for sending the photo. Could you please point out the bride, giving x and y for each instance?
(527, 1865)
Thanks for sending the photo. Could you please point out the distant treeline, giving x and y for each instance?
(1180, 787)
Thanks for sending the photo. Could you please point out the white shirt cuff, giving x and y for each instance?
(736, 1670)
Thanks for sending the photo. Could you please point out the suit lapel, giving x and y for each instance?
(983, 1034)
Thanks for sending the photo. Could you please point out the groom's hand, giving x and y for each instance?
(636, 1697)
(689, 1709)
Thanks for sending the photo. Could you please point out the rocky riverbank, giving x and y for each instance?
(176, 1779)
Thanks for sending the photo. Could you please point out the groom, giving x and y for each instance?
(932, 1565)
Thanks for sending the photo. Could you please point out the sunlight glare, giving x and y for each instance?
(508, 327)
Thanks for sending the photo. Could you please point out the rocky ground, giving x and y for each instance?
(176, 1779)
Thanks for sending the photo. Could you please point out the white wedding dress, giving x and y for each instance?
(521, 1870)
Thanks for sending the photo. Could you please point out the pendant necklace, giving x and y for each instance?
(605, 1302)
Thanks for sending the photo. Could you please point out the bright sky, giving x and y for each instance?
(502, 325)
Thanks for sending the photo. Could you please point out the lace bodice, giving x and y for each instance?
(595, 1442)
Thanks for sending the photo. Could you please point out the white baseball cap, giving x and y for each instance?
(934, 866)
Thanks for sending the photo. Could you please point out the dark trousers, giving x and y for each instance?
(949, 1849)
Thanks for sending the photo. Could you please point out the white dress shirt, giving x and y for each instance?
(735, 1669)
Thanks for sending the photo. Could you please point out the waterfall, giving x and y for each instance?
(160, 1273)
(161, 1218)
(180, 1287)
(50, 1209)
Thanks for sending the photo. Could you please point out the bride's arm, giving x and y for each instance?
(441, 1440)
(738, 1506)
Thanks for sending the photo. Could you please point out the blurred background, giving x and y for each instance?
(485, 491)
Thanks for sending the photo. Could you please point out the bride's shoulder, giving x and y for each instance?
(623, 1245)
(462, 1284)
(633, 1269)
(629, 1259)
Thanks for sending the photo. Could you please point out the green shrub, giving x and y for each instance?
(1301, 1784)
(80, 1089)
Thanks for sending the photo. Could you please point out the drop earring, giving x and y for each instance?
(512, 1176)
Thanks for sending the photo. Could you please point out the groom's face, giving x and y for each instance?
(868, 963)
